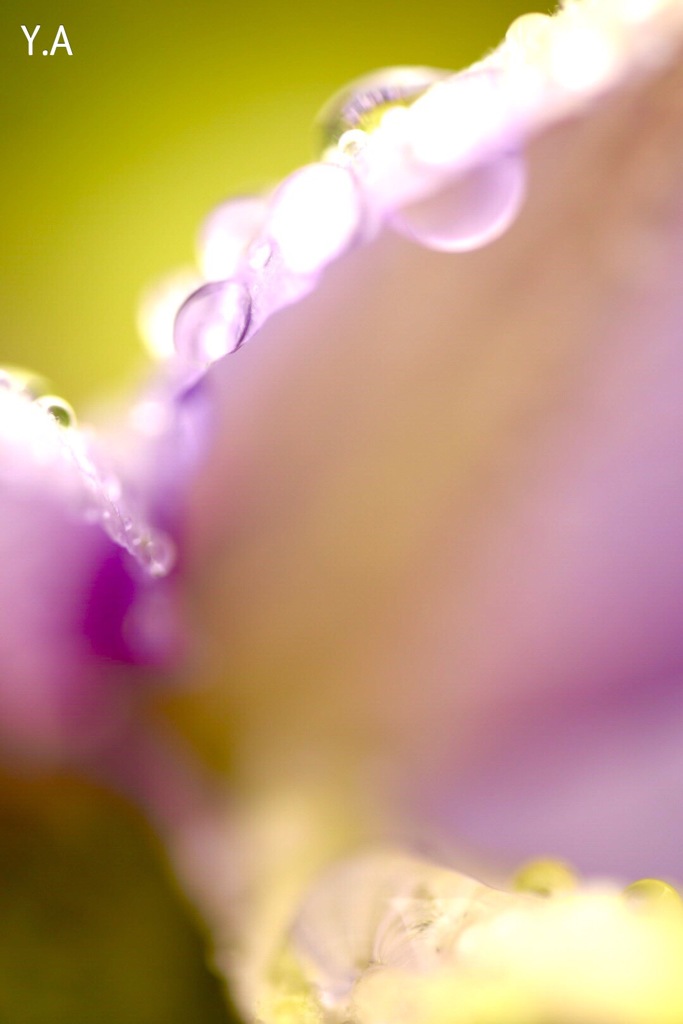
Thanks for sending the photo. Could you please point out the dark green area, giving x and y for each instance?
(91, 930)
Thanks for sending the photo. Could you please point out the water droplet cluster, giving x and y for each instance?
(42, 447)
(390, 143)
(386, 909)
(382, 917)
(435, 156)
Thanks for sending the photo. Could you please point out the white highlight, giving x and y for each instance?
(530, 33)
(582, 55)
(314, 216)
(158, 307)
(227, 234)
(457, 118)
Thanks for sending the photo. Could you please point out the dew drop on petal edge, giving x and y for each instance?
(544, 877)
(360, 104)
(58, 409)
(466, 115)
(212, 322)
(315, 214)
(227, 234)
(17, 378)
(158, 554)
(474, 210)
(652, 892)
(153, 549)
(529, 33)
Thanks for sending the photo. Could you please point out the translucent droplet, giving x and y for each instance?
(159, 305)
(153, 549)
(386, 909)
(477, 208)
(352, 142)
(530, 34)
(466, 115)
(583, 53)
(361, 104)
(6, 380)
(58, 409)
(212, 322)
(545, 877)
(526, 59)
(157, 553)
(653, 892)
(227, 234)
(314, 216)
(16, 378)
(259, 255)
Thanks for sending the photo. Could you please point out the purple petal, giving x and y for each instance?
(79, 568)
(447, 491)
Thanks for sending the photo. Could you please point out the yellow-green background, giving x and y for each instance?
(110, 158)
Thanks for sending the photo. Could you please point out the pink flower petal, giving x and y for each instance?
(447, 489)
(80, 600)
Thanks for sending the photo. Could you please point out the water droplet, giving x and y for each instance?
(461, 118)
(159, 305)
(545, 877)
(583, 53)
(227, 234)
(259, 255)
(157, 553)
(389, 909)
(652, 892)
(58, 409)
(212, 322)
(361, 104)
(352, 142)
(475, 209)
(530, 34)
(525, 58)
(16, 378)
(315, 215)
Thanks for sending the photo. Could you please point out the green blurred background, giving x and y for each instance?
(110, 159)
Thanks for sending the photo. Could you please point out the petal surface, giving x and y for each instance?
(79, 605)
(446, 489)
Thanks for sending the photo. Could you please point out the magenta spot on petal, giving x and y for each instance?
(128, 618)
(108, 602)
(474, 210)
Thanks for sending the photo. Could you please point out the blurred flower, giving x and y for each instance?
(79, 563)
(386, 936)
(429, 552)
